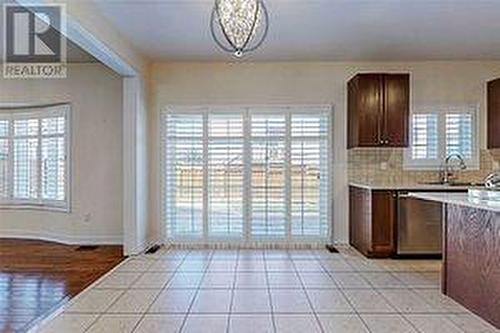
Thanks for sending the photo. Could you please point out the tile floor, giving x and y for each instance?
(267, 291)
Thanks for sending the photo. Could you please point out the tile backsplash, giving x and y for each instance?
(385, 166)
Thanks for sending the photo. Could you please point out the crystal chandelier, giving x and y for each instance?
(239, 26)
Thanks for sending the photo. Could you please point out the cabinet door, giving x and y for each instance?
(494, 114)
(396, 102)
(369, 110)
(383, 223)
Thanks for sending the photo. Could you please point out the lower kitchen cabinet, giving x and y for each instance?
(372, 221)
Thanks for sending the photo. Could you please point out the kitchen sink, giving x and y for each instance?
(485, 194)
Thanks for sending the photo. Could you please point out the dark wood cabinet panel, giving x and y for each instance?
(396, 110)
(378, 110)
(383, 222)
(494, 114)
(472, 262)
(372, 222)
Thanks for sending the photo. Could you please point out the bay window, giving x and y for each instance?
(34, 145)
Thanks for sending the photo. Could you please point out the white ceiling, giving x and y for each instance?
(320, 29)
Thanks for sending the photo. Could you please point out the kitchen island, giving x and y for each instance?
(471, 252)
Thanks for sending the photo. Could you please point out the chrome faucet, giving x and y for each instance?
(447, 174)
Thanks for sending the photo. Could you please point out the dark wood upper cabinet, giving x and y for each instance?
(378, 110)
(494, 114)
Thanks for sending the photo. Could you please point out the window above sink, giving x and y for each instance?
(439, 131)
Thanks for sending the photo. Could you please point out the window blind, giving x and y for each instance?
(440, 133)
(33, 157)
(268, 175)
(225, 175)
(245, 174)
(4, 159)
(459, 134)
(425, 144)
(309, 175)
(184, 174)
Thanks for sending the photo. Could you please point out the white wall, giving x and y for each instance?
(95, 94)
(306, 83)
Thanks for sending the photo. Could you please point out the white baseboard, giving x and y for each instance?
(61, 238)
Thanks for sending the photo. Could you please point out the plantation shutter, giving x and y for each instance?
(184, 174)
(425, 142)
(25, 158)
(246, 174)
(268, 175)
(225, 175)
(459, 134)
(309, 174)
(4, 159)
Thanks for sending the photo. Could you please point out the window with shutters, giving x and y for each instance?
(34, 150)
(442, 131)
(246, 174)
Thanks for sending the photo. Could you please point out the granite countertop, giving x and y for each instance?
(408, 186)
(462, 199)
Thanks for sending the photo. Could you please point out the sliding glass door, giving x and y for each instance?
(246, 174)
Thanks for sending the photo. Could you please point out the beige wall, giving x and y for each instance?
(307, 83)
(95, 94)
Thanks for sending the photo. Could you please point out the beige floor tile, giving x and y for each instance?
(433, 324)
(205, 324)
(185, 280)
(388, 323)
(222, 266)
(115, 324)
(317, 280)
(329, 301)
(350, 323)
(407, 301)
(160, 323)
(337, 266)
(134, 301)
(289, 301)
(251, 301)
(296, 324)
(218, 280)
(173, 301)
(280, 266)
(67, 322)
(251, 324)
(164, 266)
(418, 279)
(195, 266)
(95, 300)
(471, 323)
(368, 301)
(153, 280)
(284, 280)
(119, 280)
(350, 280)
(135, 265)
(439, 301)
(251, 266)
(383, 280)
(251, 280)
(308, 266)
(212, 301)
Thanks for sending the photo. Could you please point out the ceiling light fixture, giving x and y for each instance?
(239, 26)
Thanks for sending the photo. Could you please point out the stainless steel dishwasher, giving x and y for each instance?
(419, 226)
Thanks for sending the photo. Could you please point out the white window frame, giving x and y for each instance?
(442, 110)
(246, 111)
(25, 111)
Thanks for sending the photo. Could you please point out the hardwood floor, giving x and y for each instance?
(37, 276)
